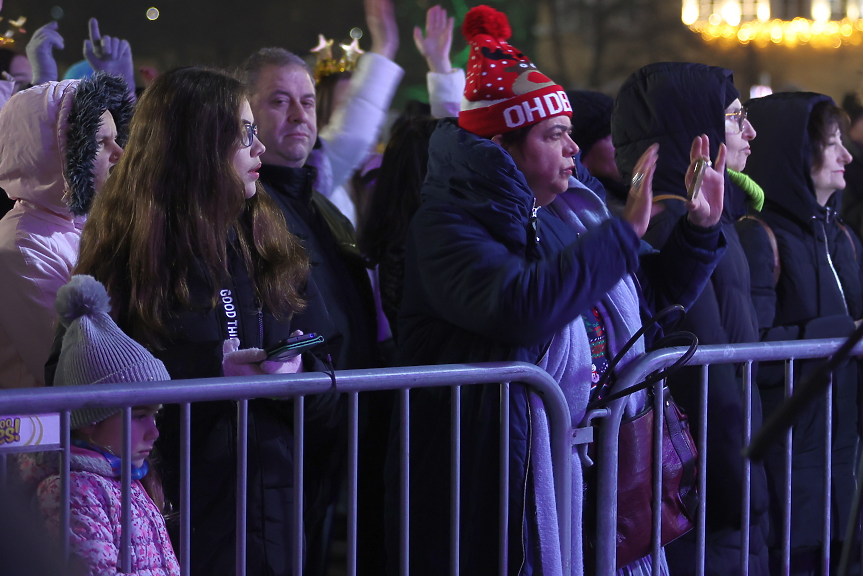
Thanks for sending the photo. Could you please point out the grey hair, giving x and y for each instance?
(251, 68)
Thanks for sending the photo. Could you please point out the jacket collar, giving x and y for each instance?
(295, 183)
(481, 178)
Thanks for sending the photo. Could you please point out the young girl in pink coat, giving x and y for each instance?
(95, 351)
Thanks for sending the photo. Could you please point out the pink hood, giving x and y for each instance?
(32, 150)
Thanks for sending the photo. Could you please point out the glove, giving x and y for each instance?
(40, 53)
(252, 361)
(109, 54)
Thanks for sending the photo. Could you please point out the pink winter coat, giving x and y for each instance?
(39, 237)
(46, 166)
(95, 520)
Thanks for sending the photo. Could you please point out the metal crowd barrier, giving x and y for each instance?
(746, 354)
(242, 389)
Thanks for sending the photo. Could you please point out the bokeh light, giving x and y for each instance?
(152, 13)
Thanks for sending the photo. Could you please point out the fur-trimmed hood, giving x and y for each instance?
(49, 140)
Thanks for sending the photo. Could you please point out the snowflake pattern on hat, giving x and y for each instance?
(504, 89)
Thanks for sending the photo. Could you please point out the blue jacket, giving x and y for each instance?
(479, 286)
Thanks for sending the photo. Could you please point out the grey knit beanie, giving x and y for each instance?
(95, 350)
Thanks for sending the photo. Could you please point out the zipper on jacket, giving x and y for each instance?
(534, 222)
(260, 312)
(524, 518)
(830, 263)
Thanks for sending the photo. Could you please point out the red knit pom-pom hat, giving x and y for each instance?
(504, 89)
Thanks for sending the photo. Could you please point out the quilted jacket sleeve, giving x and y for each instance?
(91, 531)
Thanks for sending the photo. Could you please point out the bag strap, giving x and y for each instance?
(608, 378)
(771, 237)
(662, 197)
(850, 238)
(680, 441)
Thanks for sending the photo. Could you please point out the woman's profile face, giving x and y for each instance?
(247, 156)
(545, 158)
(830, 176)
(737, 136)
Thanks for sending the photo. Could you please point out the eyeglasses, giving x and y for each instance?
(251, 131)
(738, 117)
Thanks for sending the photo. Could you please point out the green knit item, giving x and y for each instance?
(748, 185)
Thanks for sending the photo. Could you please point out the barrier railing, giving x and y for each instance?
(185, 392)
(745, 354)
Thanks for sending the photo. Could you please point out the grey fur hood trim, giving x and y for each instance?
(96, 94)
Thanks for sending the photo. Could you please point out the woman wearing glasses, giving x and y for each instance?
(806, 284)
(197, 263)
(671, 103)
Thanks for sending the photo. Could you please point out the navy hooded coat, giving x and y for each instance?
(819, 294)
(671, 103)
(479, 287)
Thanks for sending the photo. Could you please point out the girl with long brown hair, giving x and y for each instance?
(198, 263)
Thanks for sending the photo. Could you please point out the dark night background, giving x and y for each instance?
(591, 44)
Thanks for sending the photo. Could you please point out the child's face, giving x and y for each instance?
(109, 433)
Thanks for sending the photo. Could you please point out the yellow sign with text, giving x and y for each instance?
(29, 433)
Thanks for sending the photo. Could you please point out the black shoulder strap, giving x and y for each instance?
(771, 237)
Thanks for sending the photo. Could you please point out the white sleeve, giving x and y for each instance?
(356, 125)
(445, 92)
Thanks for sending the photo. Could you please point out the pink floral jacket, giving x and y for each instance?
(95, 519)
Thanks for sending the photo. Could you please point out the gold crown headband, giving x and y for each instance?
(15, 27)
(327, 65)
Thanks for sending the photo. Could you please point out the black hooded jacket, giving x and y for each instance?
(671, 103)
(337, 267)
(818, 294)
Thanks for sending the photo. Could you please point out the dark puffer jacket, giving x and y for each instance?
(479, 287)
(818, 295)
(672, 103)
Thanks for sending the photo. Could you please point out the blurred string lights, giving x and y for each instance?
(832, 23)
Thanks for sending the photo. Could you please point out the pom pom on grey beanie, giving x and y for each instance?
(95, 350)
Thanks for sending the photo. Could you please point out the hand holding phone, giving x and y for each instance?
(292, 347)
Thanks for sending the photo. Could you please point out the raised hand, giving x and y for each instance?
(110, 54)
(381, 20)
(40, 53)
(706, 209)
(640, 198)
(435, 44)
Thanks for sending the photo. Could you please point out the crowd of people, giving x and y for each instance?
(179, 231)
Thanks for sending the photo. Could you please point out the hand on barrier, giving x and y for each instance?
(252, 361)
(40, 53)
(436, 43)
(110, 54)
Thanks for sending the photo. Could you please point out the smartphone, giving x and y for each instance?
(294, 346)
(697, 177)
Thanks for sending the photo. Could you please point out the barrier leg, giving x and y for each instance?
(455, 479)
(747, 470)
